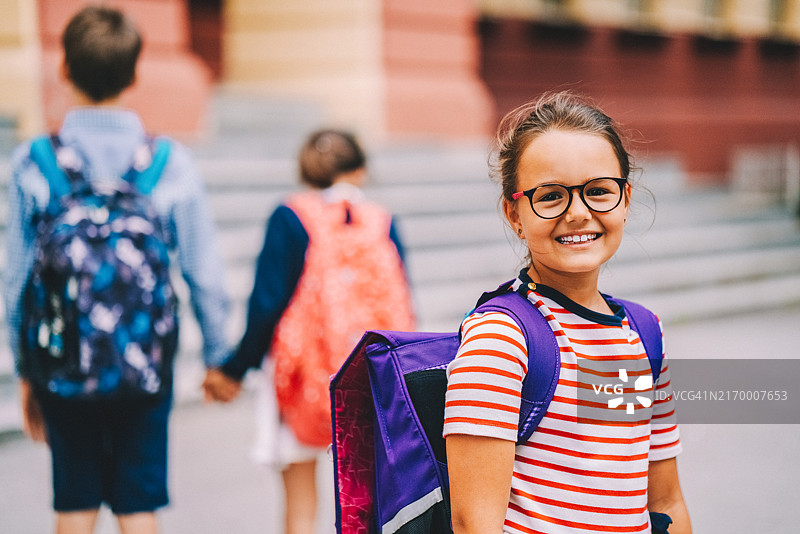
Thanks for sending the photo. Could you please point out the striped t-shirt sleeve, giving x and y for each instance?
(484, 381)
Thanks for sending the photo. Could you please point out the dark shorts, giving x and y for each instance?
(110, 452)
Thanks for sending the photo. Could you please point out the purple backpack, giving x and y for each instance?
(388, 415)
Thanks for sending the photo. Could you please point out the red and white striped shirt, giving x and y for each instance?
(574, 475)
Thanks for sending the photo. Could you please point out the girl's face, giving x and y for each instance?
(557, 246)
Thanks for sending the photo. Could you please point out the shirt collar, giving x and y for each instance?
(343, 191)
(106, 138)
(574, 307)
(109, 120)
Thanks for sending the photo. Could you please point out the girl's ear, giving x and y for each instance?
(627, 195)
(63, 71)
(512, 216)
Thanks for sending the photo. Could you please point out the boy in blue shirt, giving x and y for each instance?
(113, 453)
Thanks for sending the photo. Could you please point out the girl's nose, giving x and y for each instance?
(577, 210)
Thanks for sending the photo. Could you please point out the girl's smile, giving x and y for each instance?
(578, 238)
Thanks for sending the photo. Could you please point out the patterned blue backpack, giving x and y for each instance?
(99, 311)
(388, 416)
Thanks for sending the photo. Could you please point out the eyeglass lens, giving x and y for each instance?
(551, 201)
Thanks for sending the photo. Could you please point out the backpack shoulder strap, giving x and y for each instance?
(147, 179)
(44, 155)
(645, 323)
(544, 356)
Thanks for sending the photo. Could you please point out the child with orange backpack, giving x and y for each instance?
(331, 268)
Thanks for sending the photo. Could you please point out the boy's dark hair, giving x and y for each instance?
(328, 153)
(101, 47)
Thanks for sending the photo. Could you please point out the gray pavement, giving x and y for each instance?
(736, 478)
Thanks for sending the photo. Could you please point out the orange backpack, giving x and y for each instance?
(353, 280)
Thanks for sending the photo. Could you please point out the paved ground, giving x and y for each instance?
(737, 478)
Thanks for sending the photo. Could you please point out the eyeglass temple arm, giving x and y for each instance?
(518, 194)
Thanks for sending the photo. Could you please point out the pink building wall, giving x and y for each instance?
(432, 60)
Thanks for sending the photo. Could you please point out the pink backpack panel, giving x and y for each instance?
(353, 281)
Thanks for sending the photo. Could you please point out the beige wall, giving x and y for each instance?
(20, 80)
(381, 67)
(740, 18)
(323, 51)
(790, 26)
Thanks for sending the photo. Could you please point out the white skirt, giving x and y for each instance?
(275, 444)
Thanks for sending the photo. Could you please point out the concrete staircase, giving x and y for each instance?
(693, 254)
(697, 254)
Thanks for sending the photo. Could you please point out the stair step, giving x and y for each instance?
(460, 263)
(695, 206)
(710, 237)
(704, 302)
(671, 274)
(220, 174)
(443, 306)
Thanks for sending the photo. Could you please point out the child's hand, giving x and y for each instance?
(217, 386)
(32, 420)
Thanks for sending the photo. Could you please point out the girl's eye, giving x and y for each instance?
(597, 191)
(549, 196)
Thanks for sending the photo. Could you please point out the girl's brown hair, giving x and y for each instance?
(328, 153)
(561, 110)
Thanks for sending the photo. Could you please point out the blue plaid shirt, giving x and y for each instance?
(108, 139)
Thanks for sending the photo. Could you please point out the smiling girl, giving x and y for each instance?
(566, 195)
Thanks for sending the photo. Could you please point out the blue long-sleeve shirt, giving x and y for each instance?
(108, 139)
(278, 271)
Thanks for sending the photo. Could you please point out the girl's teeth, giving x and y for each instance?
(578, 238)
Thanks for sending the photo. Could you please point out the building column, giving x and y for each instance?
(20, 85)
(383, 67)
